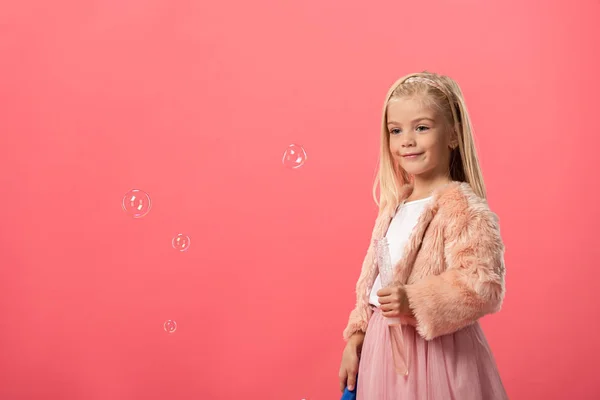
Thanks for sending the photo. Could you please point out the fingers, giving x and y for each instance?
(351, 379)
(386, 299)
(347, 376)
(388, 303)
(386, 291)
(397, 296)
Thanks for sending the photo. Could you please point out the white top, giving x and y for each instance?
(406, 217)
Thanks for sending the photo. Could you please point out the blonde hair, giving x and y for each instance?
(444, 94)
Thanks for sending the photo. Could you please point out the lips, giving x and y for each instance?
(411, 155)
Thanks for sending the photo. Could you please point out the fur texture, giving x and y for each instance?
(453, 264)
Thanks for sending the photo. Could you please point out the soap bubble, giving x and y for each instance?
(137, 203)
(170, 326)
(294, 156)
(181, 242)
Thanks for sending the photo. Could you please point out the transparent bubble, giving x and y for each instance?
(181, 242)
(294, 156)
(170, 326)
(137, 203)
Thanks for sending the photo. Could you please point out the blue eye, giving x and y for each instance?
(393, 131)
(422, 126)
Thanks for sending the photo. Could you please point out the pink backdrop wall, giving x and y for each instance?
(195, 103)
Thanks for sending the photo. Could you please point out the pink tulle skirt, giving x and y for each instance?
(459, 366)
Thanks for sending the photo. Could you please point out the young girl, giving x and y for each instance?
(447, 252)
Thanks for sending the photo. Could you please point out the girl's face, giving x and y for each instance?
(419, 138)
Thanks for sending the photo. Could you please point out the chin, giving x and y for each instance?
(411, 170)
(415, 173)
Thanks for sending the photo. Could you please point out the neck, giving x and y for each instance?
(424, 187)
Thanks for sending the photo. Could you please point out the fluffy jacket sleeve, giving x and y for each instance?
(359, 319)
(360, 314)
(472, 284)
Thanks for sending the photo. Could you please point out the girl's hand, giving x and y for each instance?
(394, 302)
(350, 360)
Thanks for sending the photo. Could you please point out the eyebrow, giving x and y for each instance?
(413, 121)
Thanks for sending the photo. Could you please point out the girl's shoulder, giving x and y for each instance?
(461, 205)
(459, 196)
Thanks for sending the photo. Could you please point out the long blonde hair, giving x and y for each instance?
(464, 164)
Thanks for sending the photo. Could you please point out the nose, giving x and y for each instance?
(408, 140)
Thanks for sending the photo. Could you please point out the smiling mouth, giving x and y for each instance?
(411, 155)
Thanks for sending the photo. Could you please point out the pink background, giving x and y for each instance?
(195, 103)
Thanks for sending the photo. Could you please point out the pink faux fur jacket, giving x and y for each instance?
(453, 264)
